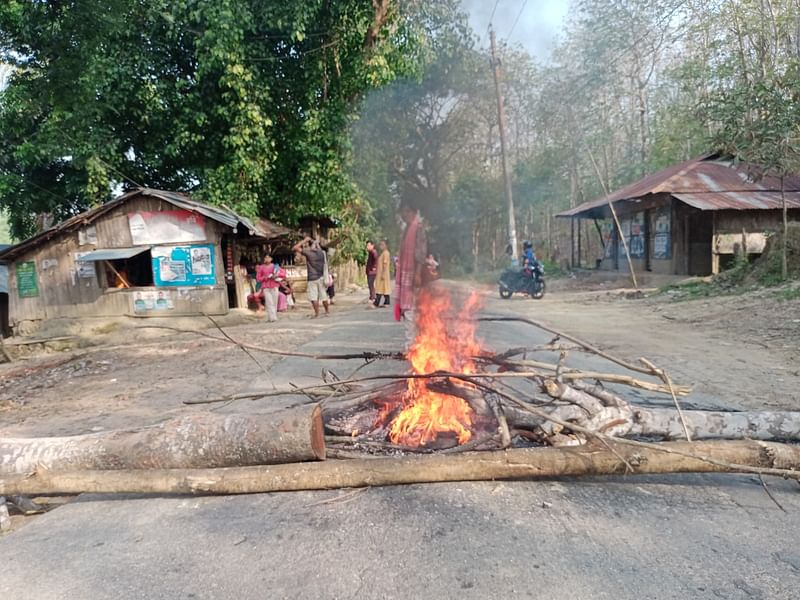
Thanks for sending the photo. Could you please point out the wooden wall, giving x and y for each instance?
(63, 294)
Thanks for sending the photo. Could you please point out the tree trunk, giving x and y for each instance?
(664, 423)
(724, 457)
(201, 440)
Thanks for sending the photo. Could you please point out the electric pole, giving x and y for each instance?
(501, 122)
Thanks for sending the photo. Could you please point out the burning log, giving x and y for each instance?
(201, 440)
(743, 456)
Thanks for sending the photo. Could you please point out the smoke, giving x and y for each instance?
(538, 27)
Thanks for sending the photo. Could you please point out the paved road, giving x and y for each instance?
(654, 537)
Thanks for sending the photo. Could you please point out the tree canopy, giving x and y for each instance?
(242, 102)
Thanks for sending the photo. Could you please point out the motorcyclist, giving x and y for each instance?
(528, 258)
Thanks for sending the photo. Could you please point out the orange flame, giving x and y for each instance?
(444, 342)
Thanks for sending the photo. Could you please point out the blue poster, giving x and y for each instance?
(183, 265)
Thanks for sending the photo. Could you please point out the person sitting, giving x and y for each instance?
(285, 290)
(431, 270)
(528, 258)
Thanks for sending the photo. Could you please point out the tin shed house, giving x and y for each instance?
(145, 253)
(691, 218)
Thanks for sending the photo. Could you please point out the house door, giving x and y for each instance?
(701, 231)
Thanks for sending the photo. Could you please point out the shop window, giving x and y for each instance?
(136, 271)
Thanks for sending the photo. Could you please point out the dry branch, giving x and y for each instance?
(229, 340)
(573, 374)
(201, 440)
(585, 345)
(720, 457)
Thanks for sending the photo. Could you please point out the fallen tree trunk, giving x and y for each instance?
(720, 457)
(601, 411)
(195, 441)
(665, 423)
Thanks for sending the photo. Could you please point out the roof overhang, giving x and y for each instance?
(113, 253)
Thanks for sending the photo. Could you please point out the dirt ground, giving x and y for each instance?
(736, 351)
(126, 377)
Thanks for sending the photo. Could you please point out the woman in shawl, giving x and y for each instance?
(413, 250)
(383, 283)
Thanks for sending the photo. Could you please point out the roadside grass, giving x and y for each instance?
(744, 276)
(788, 294)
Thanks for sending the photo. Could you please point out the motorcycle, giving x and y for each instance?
(523, 281)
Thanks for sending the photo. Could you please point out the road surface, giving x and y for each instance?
(636, 537)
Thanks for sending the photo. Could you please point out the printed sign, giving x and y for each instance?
(87, 236)
(85, 270)
(166, 227)
(636, 240)
(144, 302)
(662, 239)
(183, 265)
(27, 286)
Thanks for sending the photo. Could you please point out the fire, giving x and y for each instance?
(445, 341)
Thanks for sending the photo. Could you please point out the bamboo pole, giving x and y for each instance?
(742, 456)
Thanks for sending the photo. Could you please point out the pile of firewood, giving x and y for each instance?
(570, 422)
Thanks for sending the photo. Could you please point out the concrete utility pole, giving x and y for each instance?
(501, 123)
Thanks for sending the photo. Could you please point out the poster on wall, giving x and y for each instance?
(87, 236)
(608, 239)
(27, 286)
(636, 239)
(183, 265)
(145, 302)
(166, 227)
(625, 225)
(662, 246)
(84, 270)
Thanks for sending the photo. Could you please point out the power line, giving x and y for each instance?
(519, 14)
(491, 17)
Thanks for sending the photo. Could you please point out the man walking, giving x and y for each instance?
(315, 265)
(372, 269)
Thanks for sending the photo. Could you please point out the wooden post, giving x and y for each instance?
(501, 118)
(579, 244)
(572, 242)
(616, 221)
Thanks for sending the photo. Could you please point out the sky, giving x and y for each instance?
(537, 28)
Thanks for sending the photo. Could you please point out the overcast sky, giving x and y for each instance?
(538, 26)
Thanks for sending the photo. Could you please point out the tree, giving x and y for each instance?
(754, 102)
(239, 101)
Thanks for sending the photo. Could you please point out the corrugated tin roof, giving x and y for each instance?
(219, 214)
(707, 183)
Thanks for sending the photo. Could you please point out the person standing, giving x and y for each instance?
(269, 275)
(383, 281)
(413, 250)
(372, 269)
(315, 266)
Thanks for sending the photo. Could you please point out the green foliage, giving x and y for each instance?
(788, 294)
(242, 102)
